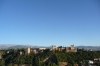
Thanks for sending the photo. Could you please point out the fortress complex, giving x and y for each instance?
(67, 49)
(53, 48)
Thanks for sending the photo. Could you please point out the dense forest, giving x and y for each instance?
(47, 58)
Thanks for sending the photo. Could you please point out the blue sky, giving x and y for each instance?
(50, 22)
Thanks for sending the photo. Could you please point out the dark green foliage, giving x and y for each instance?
(2, 62)
(36, 61)
(53, 58)
(51, 64)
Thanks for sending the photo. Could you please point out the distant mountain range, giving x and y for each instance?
(89, 47)
(9, 46)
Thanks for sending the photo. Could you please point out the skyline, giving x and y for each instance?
(54, 22)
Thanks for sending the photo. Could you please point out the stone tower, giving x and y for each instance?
(72, 47)
(27, 51)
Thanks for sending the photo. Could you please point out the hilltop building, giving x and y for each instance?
(27, 51)
(67, 49)
(53, 48)
(34, 50)
(20, 52)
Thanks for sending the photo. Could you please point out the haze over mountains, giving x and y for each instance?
(15, 46)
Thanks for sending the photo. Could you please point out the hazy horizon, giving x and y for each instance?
(45, 45)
